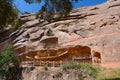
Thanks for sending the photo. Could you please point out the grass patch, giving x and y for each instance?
(113, 79)
(109, 74)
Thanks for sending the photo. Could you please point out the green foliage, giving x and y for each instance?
(53, 9)
(50, 33)
(9, 65)
(86, 70)
(89, 70)
(33, 1)
(17, 24)
(46, 68)
(69, 65)
(109, 74)
(26, 13)
(8, 13)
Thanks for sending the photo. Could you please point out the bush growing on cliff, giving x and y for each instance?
(9, 65)
(86, 70)
(8, 13)
(53, 9)
(69, 65)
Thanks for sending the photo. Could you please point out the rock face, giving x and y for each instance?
(97, 27)
(52, 74)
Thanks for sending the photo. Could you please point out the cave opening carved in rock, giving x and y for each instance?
(97, 57)
(81, 54)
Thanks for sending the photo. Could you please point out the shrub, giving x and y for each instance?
(69, 65)
(9, 65)
(8, 13)
(17, 24)
(86, 70)
(46, 68)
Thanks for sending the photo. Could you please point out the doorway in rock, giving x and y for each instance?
(81, 54)
(97, 58)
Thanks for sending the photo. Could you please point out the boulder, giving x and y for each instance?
(37, 35)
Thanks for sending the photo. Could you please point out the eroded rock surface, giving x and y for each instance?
(97, 27)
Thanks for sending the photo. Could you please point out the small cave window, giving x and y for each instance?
(97, 57)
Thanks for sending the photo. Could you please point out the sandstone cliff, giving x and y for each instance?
(96, 27)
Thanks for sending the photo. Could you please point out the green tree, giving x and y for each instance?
(54, 9)
(8, 13)
(9, 65)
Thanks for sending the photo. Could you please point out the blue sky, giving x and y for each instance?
(25, 7)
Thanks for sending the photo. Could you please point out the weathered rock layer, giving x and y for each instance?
(97, 27)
